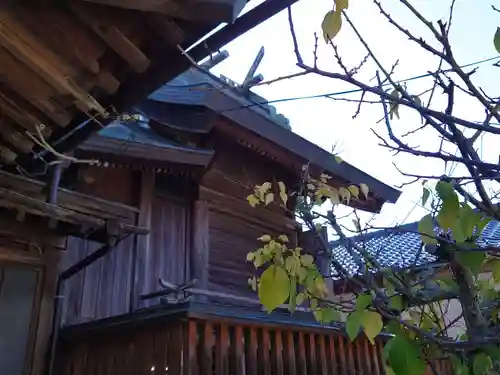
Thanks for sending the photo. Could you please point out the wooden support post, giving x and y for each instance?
(201, 245)
(142, 249)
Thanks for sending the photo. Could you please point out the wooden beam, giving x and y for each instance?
(161, 6)
(200, 251)
(10, 134)
(29, 50)
(30, 86)
(13, 200)
(99, 22)
(199, 10)
(142, 251)
(72, 200)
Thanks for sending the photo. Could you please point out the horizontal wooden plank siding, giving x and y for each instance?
(223, 347)
(230, 239)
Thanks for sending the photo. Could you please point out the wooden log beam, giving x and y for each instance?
(199, 10)
(98, 21)
(29, 50)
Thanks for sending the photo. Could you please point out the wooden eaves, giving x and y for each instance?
(256, 130)
(73, 66)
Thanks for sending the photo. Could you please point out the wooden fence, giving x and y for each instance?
(223, 347)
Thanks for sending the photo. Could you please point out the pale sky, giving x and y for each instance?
(327, 122)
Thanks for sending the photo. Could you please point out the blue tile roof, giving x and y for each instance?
(400, 247)
(192, 86)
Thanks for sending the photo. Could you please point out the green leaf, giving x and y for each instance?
(471, 259)
(338, 159)
(494, 266)
(425, 195)
(372, 324)
(269, 198)
(341, 4)
(292, 302)
(496, 40)
(274, 287)
(448, 214)
(363, 301)
(396, 302)
(482, 363)
(389, 371)
(426, 230)
(307, 260)
(354, 190)
(327, 315)
(353, 324)
(404, 357)
(482, 224)
(301, 297)
(331, 25)
(468, 220)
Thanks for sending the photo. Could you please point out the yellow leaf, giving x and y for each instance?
(393, 105)
(250, 256)
(307, 260)
(269, 198)
(331, 25)
(354, 190)
(334, 196)
(364, 190)
(283, 195)
(341, 4)
(265, 238)
(263, 189)
(283, 238)
(274, 287)
(372, 324)
(345, 194)
(252, 200)
(338, 159)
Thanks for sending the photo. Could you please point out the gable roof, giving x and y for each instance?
(248, 110)
(400, 247)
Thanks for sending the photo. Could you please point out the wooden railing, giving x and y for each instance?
(223, 347)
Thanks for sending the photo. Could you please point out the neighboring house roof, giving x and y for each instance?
(248, 110)
(400, 247)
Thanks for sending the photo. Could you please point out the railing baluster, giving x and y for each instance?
(251, 352)
(278, 352)
(302, 363)
(264, 349)
(289, 357)
(239, 351)
(322, 355)
(313, 365)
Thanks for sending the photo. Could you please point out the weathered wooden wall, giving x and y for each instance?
(104, 288)
(24, 245)
(233, 226)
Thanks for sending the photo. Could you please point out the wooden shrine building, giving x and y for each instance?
(68, 69)
(177, 300)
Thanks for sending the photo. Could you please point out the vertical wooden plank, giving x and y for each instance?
(289, 356)
(141, 257)
(44, 323)
(342, 355)
(222, 348)
(278, 352)
(313, 364)
(251, 347)
(264, 355)
(302, 355)
(191, 343)
(174, 350)
(206, 349)
(239, 350)
(201, 247)
(375, 359)
(323, 363)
